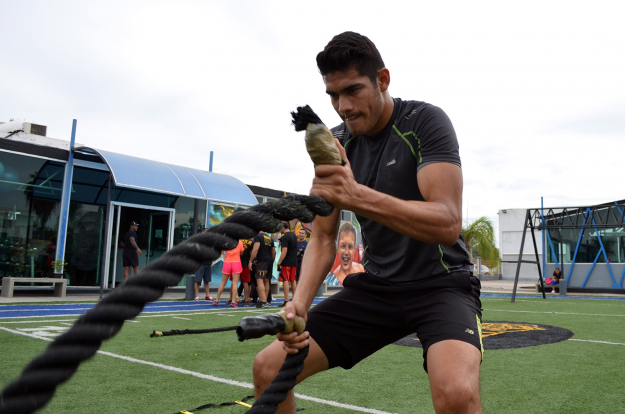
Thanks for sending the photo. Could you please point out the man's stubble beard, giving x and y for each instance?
(376, 114)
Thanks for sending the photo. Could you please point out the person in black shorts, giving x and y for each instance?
(402, 178)
(131, 252)
(264, 253)
(287, 263)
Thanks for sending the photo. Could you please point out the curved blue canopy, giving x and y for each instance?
(142, 174)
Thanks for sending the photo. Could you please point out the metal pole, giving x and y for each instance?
(562, 285)
(65, 198)
(210, 164)
(540, 277)
(107, 237)
(542, 215)
(119, 218)
(518, 265)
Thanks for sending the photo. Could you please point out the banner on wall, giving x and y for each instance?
(349, 253)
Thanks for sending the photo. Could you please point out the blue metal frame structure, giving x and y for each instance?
(579, 241)
(622, 214)
(602, 216)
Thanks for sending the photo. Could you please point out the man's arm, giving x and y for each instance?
(134, 244)
(320, 254)
(282, 255)
(436, 220)
(273, 253)
(253, 254)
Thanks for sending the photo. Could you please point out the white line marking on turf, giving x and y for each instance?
(20, 322)
(177, 317)
(150, 314)
(559, 313)
(212, 378)
(597, 342)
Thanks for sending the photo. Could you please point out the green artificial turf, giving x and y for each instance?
(565, 377)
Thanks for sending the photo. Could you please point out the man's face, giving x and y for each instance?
(347, 244)
(357, 101)
(134, 228)
(301, 235)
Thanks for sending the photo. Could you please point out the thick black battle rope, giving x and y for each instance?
(286, 379)
(192, 331)
(37, 383)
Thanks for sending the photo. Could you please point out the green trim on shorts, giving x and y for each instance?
(479, 330)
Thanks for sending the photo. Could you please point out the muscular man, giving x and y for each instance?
(287, 263)
(402, 178)
(264, 253)
(131, 250)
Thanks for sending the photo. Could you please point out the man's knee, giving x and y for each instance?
(456, 396)
(454, 372)
(267, 363)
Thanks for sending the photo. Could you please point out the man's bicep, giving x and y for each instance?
(442, 182)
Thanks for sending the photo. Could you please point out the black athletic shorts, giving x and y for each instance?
(263, 270)
(131, 258)
(370, 313)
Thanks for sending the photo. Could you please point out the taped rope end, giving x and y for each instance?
(155, 333)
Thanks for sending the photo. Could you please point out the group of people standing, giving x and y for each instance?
(251, 263)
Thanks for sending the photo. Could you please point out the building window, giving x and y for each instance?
(613, 241)
(30, 197)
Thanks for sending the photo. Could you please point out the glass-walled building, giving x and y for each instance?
(593, 255)
(108, 191)
(586, 243)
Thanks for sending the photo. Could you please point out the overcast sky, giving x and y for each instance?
(535, 90)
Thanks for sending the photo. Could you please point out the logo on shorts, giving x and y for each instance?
(391, 163)
(508, 335)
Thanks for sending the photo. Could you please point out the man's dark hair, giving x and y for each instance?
(285, 225)
(351, 50)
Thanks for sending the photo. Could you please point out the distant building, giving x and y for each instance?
(587, 243)
(108, 190)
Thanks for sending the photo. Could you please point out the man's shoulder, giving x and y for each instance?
(414, 112)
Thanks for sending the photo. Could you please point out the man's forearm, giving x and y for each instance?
(316, 264)
(431, 222)
(282, 255)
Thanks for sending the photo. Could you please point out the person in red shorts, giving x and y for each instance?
(287, 264)
(232, 267)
